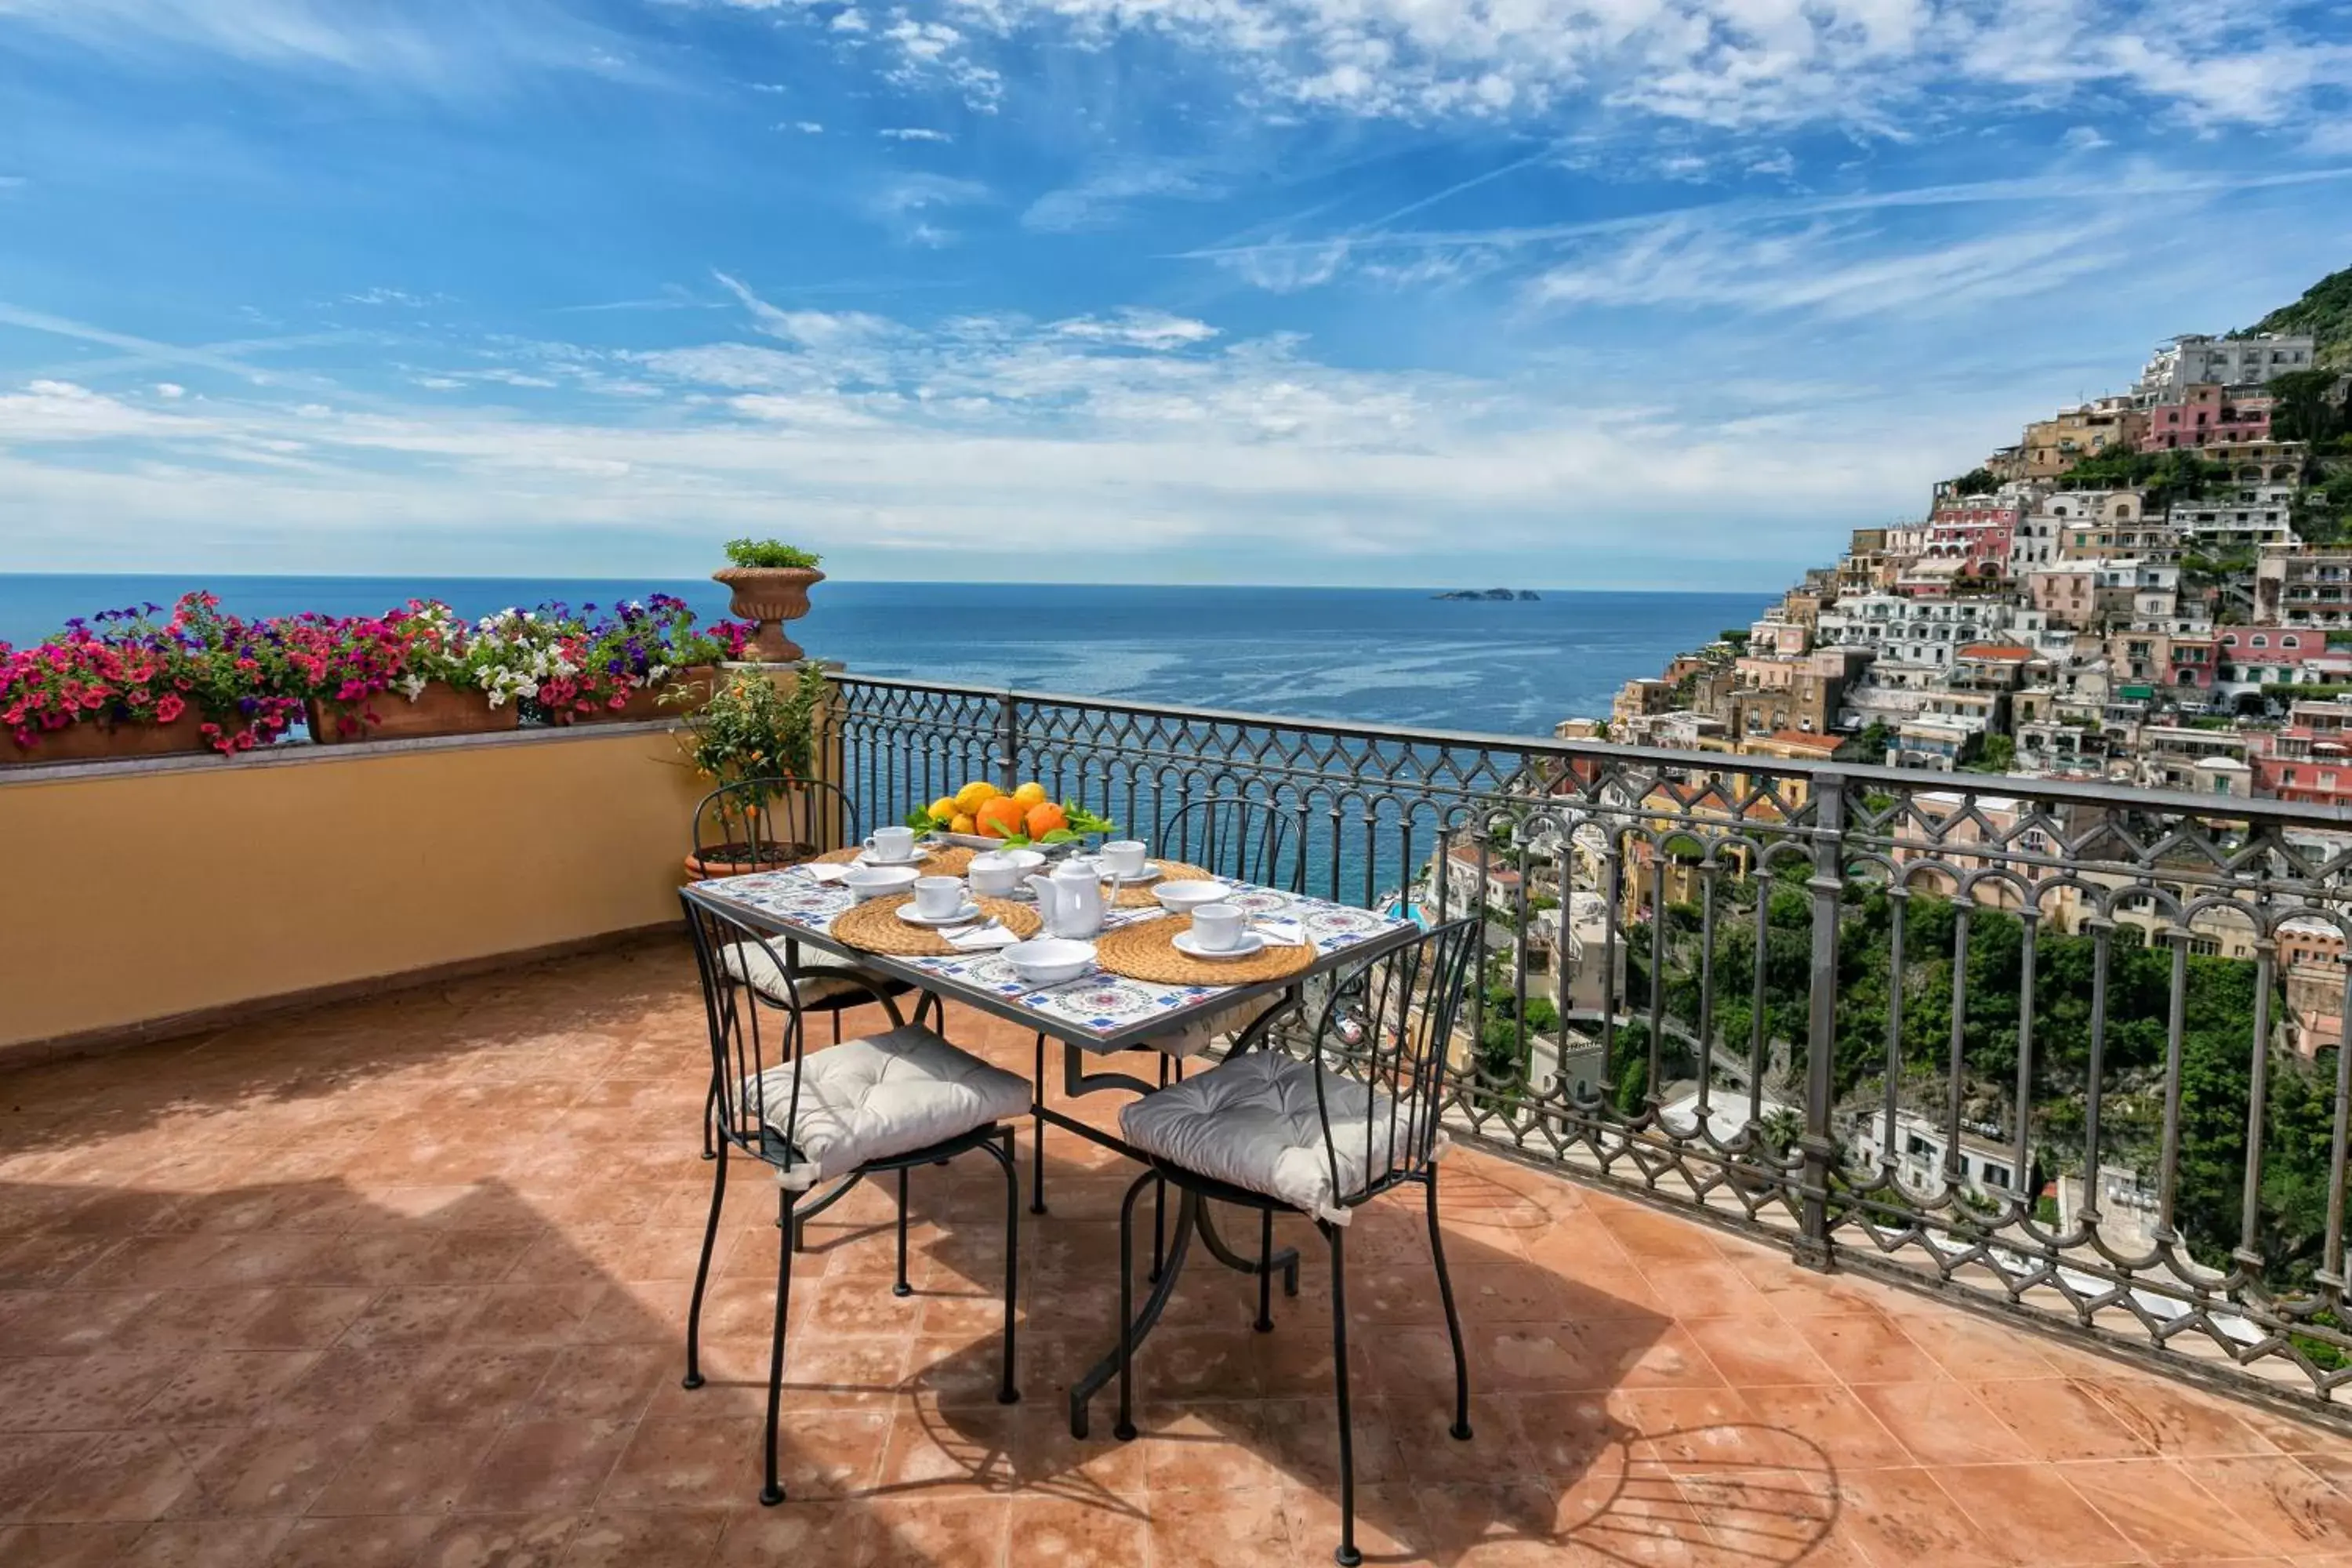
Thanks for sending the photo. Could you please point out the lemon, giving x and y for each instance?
(962, 822)
(942, 808)
(1029, 795)
(974, 795)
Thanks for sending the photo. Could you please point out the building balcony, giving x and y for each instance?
(349, 1209)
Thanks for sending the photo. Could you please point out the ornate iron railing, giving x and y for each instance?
(2065, 1049)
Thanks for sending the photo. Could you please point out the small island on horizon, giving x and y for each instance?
(1497, 594)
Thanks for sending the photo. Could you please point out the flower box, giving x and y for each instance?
(439, 709)
(646, 702)
(95, 739)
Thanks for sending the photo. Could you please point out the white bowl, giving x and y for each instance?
(873, 882)
(1049, 960)
(1183, 898)
(999, 873)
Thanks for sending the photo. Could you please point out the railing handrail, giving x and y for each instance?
(1910, 780)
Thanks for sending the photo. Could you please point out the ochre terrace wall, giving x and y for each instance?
(139, 893)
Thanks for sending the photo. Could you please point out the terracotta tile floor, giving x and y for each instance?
(404, 1283)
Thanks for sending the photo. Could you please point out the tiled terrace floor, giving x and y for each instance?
(402, 1283)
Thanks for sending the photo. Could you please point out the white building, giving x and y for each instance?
(2248, 518)
(1926, 631)
(1915, 1147)
(2196, 359)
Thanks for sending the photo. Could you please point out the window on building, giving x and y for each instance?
(1919, 1148)
(1995, 1176)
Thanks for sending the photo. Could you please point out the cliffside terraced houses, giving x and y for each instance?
(2038, 624)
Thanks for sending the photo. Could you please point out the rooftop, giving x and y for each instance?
(403, 1281)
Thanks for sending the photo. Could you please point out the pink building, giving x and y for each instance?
(1975, 532)
(2206, 417)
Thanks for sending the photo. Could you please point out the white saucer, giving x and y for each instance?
(867, 858)
(1151, 873)
(964, 916)
(1183, 941)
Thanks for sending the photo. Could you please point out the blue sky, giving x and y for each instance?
(1603, 293)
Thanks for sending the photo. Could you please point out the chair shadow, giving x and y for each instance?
(1222, 1407)
(461, 1381)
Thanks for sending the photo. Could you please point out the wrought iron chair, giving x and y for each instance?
(1317, 1137)
(737, 826)
(1240, 839)
(881, 1102)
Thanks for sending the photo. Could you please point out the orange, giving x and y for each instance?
(1044, 818)
(999, 816)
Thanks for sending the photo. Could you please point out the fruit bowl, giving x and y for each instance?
(981, 817)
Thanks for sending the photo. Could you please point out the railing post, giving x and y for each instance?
(1008, 741)
(1820, 1150)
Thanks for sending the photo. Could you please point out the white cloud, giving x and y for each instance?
(913, 134)
(1103, 197)
(933, 54)
(440, 46)
(402, 298)
(170, 389)
(1875, 65)
(880, 434)
(904, 203)
(2083, 138)
(1839, 270)
(805, 127)
(1138, 329)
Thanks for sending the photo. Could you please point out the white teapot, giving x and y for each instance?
(1071, 899)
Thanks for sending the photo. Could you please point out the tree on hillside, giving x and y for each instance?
(2308, 406)
(1976, 482)
(2326, 312)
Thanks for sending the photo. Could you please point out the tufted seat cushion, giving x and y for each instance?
(882, 1095)
(822, 976)
(1252, 1121)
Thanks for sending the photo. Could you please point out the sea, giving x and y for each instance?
(1368, 656)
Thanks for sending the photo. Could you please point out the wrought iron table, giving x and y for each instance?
(1093, 1013)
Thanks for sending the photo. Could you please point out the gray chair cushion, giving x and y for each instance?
(1251, 1122)
(822, 976)
(881, 1095)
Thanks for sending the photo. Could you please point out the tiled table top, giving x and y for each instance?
(1098, 1010)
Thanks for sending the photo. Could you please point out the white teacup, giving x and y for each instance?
(937, 898)
(1218, 927)
(891, 845)
(996, 875)
(1123, 859)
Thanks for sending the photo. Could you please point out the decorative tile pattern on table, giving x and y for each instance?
(1099, 1003)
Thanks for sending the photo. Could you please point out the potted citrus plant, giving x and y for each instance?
(754, 731)
(770, 581)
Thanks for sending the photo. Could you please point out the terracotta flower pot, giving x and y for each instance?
(94, 741)
(647, 702)
(770, 595)
(439, 709)
(738, 860)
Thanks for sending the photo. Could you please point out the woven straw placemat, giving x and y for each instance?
(1145, 950)
(874, 927)
(949, 862)
(1139, 896)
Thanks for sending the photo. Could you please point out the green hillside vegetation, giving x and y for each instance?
(2326, 312)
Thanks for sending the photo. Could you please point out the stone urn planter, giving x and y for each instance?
(439, 709)
(93, 740)
(770, 595)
